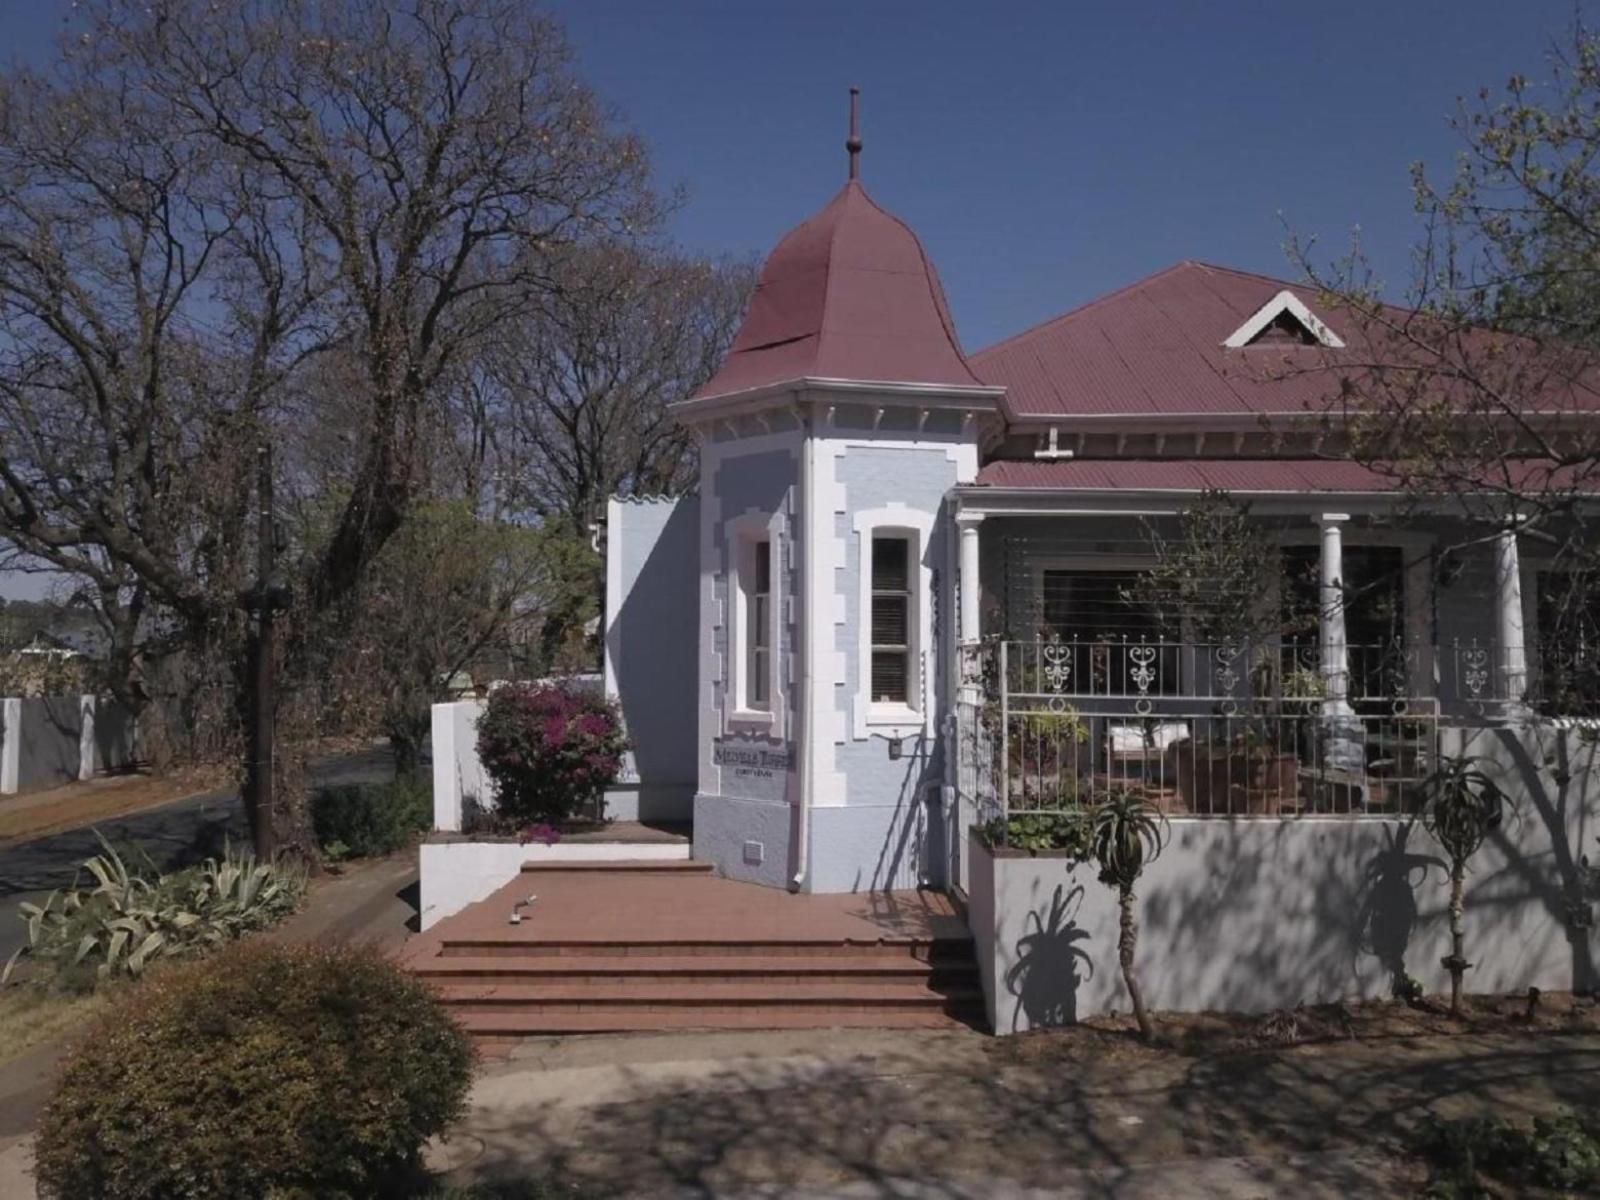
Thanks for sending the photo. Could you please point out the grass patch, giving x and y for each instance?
(31, 1014)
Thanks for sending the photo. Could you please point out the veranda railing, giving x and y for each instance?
(1226, 730)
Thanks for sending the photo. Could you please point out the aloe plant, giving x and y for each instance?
(127, 919)
(1461, 806)
(1125, 832)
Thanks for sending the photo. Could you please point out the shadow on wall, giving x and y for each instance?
(655, 643)
(1050, 964)
(1250, 915)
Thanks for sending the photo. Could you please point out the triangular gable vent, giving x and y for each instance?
(1284, 320)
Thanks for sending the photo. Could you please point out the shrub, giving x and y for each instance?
(1560, 1152)
(548, 750)
(370, 820)
(268, 1070)
(1038, 832)
(132, 916)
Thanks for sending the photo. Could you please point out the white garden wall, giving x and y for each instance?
(1256, 914)
(46, 741)
(455, 874)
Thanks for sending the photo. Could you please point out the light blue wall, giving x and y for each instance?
(652, 646)
(881, 837)
(737, 803)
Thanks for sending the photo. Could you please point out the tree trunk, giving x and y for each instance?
(1126, 940)
(1457, 962)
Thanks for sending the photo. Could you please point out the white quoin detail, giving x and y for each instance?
(1284, 302)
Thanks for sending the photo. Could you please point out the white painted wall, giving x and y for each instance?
(456, 874)
(457, 773)
(1252, 915)
(46, 741)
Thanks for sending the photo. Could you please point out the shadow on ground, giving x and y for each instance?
(959, 1113)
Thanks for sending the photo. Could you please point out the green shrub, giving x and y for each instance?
(370, 820)
(549, 751)
(268, 1070)
(132, 916)
(1038, 832)
(1560, 1152)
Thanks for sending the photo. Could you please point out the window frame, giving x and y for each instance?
(744, 534)
(895, 720)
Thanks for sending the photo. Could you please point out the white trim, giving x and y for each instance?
(610, 643)
(10, 744)
(893, 720)
(933, 395)
(1284, 302)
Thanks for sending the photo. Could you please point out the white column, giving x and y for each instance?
(1508, 616)
(967, 523)
(10, 744)
(88, 710)
(1335, 650)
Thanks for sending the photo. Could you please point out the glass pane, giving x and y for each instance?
(889, 621)
(889, 676)
(763, 566)
(891, 564)
(759, 626)
(758, 679)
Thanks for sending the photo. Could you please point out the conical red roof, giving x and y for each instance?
(851, 295)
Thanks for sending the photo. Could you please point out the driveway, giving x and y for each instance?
(174, 835)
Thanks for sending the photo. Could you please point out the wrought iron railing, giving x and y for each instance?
(1051, 726)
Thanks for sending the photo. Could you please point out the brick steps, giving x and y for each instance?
(639, 866)
(745, 966)
(733, 970)
(925, 951)
(677, 993)
(493, 1029)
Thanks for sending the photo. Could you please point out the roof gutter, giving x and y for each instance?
(807, 572)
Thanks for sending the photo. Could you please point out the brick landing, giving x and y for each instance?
(657, 945)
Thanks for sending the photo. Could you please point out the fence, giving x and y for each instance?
(1217, 730)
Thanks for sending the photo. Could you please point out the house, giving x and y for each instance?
(905, 600)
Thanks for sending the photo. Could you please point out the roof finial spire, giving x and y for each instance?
(853, 142)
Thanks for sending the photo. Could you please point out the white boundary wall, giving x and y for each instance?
(1257, 914)
(457, 773)
(47, 741)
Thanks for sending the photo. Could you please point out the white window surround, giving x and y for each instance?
(1284, 302)
(893, 720)
(743, 533)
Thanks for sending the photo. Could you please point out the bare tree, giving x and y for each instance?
(204, 199)
(582, 380)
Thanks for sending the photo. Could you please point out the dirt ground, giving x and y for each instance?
(1222, 1111)
(75, 805)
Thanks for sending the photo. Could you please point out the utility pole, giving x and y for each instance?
(259, 775)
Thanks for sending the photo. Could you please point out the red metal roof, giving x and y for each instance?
(1190, 475)
(850, 294)
(1156, 348)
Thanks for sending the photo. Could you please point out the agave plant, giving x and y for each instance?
(1125, 832)
(125, 919)
(1461, 806)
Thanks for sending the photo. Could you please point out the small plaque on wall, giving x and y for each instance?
(753, 761)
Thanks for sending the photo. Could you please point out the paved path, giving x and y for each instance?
(173, 835)
(861, 1114)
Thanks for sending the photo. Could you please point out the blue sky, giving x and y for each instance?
(1046, 152)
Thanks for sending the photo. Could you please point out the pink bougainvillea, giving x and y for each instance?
(549, 752)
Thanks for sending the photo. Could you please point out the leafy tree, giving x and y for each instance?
(1125, 832)
(446, 590)
(1482, 386)
(1462, 805)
